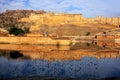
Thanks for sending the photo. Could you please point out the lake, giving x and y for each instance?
(89, 60)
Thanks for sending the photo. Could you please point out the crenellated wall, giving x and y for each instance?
(111, 21)
(54, 19)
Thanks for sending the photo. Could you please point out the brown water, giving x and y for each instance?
(82, 60)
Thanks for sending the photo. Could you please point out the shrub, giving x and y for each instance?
(16, 31)
(88, 33)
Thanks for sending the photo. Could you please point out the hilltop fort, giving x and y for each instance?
(65, 23)
(55, 28)
(55, 19)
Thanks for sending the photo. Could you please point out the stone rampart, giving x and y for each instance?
(54, 19)
(34, 40)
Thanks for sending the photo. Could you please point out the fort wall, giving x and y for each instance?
(33, 48)
(111, 21)
(54, 19)
(34, 40)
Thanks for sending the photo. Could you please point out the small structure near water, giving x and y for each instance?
(109, 35)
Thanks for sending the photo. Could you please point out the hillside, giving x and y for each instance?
(82, 30)
(11, 17)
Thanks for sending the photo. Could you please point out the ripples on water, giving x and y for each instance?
(84, 61)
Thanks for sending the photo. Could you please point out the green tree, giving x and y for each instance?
(88, 33)
(16, 31)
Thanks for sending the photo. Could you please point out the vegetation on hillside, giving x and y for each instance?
(11, 17)
(16, 31)
(88, 33)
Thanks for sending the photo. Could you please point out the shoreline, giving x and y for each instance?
(35, 40)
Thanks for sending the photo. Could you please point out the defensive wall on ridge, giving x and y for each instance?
(54, 19)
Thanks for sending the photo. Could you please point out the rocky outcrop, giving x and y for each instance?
(3, 32)
(11, 17)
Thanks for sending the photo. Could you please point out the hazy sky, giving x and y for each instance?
(89, 8)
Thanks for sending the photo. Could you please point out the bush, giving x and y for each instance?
(88, 33)
(16, 31)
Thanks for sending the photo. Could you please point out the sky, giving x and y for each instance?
(89, 8)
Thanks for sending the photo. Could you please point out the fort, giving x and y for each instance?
(57, 25)
(56, 19)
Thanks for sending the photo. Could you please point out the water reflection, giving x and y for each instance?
(82, 60)
(62, 53)
(85, 68)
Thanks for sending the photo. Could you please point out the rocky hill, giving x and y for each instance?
(11, 17)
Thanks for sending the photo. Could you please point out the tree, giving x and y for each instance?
(88, 33)
(16, 31)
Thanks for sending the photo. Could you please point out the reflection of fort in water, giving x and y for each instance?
(51, 53)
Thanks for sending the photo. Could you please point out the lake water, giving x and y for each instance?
(82, 60)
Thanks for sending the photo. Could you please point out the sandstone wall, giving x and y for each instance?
(54, 19)
(32, 48)
(117, 40)
(111, 21)
(34, 40)
(107, 37)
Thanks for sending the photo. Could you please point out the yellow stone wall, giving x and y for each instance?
(51, 19)
(107, 20)
(34, 40)
(54, 19)
(33, 47)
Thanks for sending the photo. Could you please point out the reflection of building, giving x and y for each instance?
(85, 68)
(71, 55)
(52, 53)
(64, 55)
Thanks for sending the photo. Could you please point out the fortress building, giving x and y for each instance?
(111, 21)
(55, 19)
(52, 19)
